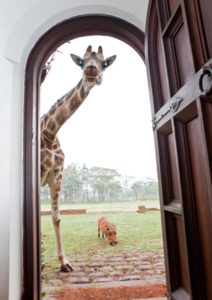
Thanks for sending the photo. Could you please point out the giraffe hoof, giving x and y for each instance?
(66, 268)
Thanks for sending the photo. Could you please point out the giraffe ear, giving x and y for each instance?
(77, 59)
(108, 61)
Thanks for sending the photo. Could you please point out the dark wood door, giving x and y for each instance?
(179, 64)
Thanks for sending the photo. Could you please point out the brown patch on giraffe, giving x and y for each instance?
(48, 163)
(58, 160)
(55, 146)
(47, 135)
(56, 172)
(55, 197)
(43, 155)
(42, 143)
(57, 222)
(59, 152)
(52, 110)
(75, 103)
(60, 102)
(60, 177)
(51, 125)
(59, 119)
(43, 168)
(58, 189)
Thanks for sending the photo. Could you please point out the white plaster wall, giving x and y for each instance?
(22, 22)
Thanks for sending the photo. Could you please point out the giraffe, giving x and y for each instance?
(52, 157)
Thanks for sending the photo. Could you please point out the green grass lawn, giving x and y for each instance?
(136, 232)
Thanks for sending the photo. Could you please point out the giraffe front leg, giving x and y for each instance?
(64, 263)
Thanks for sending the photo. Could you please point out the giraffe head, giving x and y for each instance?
(93, 64)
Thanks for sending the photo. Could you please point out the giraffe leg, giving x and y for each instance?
(54, 190)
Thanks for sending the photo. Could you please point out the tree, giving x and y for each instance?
(105, 183)
(83, 184)
(72, 183)
(147, 189)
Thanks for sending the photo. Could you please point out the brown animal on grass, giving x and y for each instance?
(108, 230)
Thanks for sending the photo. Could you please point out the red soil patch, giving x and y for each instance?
(113, 293)
(65, 212)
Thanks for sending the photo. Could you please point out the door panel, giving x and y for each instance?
(207, 117)
(173, 5)
(178, 52)
(182, 122)
(177, 255)
(205, 13)
(173, 169)
(185, 282)
(162, 71)
(200, 183)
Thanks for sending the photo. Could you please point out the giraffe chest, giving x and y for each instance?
(51, 158)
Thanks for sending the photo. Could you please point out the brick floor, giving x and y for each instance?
(100, 271)
(148, 268)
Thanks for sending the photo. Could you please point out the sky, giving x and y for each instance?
(112, 128)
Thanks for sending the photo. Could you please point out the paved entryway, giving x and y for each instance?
(101, 271)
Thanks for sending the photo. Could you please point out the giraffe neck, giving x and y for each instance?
(61, 111)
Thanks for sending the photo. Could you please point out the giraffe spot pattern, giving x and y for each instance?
(51, 125)
(55, 146)
(60, 102)
(52, 110)
(59, 119)
(70, 94)
(83, 94)
(48, 162)
(75, 103)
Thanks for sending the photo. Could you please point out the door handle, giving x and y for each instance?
(206, 71)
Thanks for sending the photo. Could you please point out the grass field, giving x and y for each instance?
(136, 232)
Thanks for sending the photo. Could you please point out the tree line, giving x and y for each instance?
(98, 184)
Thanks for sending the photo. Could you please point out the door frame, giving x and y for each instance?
(69, 29)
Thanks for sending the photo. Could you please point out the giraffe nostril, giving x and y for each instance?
(91, 67)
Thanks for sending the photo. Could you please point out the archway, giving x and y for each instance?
(75, 27)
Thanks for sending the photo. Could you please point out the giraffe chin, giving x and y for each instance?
(91, 81)
(91, 78)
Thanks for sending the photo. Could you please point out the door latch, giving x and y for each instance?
(206, 88)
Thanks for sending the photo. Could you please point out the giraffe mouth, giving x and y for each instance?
(91, 72)
(91, 78)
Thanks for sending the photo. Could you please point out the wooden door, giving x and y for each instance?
(179, 64)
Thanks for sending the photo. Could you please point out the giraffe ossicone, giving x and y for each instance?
(93, 65)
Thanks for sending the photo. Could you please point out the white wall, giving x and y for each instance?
(22, 22)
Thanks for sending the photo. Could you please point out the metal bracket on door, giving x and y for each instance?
(173, 107)
(206, 71)
(175, 104)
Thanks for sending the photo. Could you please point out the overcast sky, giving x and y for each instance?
(112, 128)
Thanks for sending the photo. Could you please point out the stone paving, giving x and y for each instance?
(118, 269)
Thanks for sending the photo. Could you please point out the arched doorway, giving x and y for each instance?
(75, 27)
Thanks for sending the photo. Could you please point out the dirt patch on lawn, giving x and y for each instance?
(114, 293)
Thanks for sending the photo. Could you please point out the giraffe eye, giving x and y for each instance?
(81, 63)
(104, 64)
